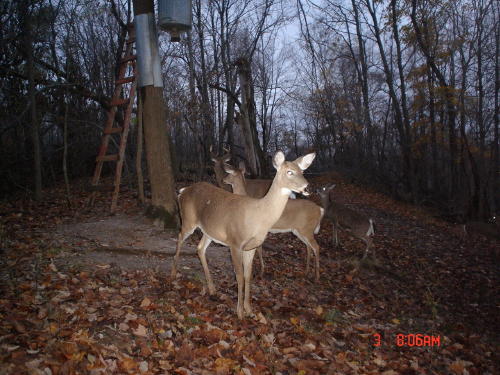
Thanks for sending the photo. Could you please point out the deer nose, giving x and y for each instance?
(306, 191)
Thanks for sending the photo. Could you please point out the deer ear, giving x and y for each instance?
(305, 161)
(278, 159)
(242, 167)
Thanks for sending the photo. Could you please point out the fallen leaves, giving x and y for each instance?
(140, 331)
(146, 302)
(224, 366)
(58, 318)
(459, 366)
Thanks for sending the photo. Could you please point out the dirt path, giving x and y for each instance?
(132, 242)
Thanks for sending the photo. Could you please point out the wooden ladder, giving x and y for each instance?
(125, 83)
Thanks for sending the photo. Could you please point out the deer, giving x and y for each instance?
(237, 221)
(301, 217)
(256, 188)
(218, 167)
(473, 229)
(358, 225)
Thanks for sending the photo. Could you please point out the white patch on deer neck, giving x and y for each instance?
(285, 191)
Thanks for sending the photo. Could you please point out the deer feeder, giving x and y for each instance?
(174, 17)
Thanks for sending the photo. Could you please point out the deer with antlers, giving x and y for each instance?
(237, 221)
(301, 217)
(256, 188)
(219, 167)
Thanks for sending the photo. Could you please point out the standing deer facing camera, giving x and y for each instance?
(358, 225)
(237, 221)
(301, 217)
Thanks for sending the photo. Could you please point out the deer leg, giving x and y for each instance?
(261, 258)
(315, 248)
(183, 234)
(311, 244)
(202, 248)
(336, 233)
(236, 256)
(308, 259)
(303, 238)
(247, 273)
(369, 242)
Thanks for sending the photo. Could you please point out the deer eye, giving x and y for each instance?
(290, 173)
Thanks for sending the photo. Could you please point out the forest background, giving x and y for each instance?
(402, 95)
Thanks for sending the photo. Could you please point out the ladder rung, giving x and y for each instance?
(111, 157)
(128, 58)
(119, 102)
(113, 130)
(127, 65)
(125, 80)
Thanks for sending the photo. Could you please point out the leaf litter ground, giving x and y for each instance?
(83, 292)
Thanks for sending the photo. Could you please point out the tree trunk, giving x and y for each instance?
(35, 135)
(405, 139)
(207, 119)
(432, 124)
(156, 136)
(65, 152)
(363, 77)
(449, 94)
(194, 110)
(229, 77)
(404, 106)
(138, 156)
(158, 154)
(248, 119)
(495, 184)
(244, 121)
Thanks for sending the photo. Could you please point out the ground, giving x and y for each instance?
(85, 292)
(131, 242)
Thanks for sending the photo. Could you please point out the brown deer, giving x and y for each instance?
(237, 221)
(358, 225)
(473, 229)
(301, 217)
(256, 188)
(219, 167)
